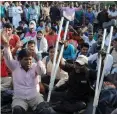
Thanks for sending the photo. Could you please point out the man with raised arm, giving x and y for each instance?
(24, 74)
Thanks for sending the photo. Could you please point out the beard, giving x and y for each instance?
(38, 38)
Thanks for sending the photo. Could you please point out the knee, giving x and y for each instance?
(18, 110)
(44, 108)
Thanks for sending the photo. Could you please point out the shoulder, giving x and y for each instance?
(110, 57)
(16, 37)
(45, 59)
(44, 39)
(70, 46)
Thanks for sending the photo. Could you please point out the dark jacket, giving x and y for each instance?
(102, 17)
(79, 84)
(112, 78)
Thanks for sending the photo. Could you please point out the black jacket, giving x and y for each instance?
(112, 78)
(79, 84)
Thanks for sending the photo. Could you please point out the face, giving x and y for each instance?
(31, 47)
(78, 68)
(31, 29)
(51, 53)
(41, 24)
(115, 44)
(66, 44)
(113, 8)
(9, 31)
(71, 5)
(84, 50)
(3, 20)
(33, 4)
(26, 63)
(89, 9)
(16, 4)
(39, 36)
(90, 37)
(47, 28)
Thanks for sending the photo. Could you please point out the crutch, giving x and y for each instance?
(55, 66)
(55, 55)
(99, 84)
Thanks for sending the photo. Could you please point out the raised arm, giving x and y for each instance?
(40, 68)
(10, 62)
(66, 66)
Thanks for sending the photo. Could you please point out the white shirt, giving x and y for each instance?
(70, 12)
(43, 45)
(111, 13)
(86, 40)
(62, 75)
(24, 82)
(109, 64)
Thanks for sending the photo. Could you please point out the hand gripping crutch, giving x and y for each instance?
(99, 84)
(55, 66)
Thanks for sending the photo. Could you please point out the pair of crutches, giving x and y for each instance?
(100, 77)
(56, 65)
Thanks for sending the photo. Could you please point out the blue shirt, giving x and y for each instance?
(90, 16)
(40, 28)
(2, 11)
(69, 52)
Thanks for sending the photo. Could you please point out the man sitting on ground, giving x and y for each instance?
(24, 74)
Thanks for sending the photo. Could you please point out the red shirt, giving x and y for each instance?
(14, 40)
(4, 69)
(51, 39)
(69, 34)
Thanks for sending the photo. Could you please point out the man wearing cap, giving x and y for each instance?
(31, 34)
(78, 85)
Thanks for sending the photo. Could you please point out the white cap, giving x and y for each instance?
(32, 24)
(82, 60)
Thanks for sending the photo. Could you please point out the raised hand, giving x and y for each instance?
(4, 38)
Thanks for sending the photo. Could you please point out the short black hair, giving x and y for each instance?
(31, 42)
(8, 25)
(24, 53)
(51, 47)
(85, 45)
(39, 32)
(53, 28)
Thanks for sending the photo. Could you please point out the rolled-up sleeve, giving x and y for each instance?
(40, 69)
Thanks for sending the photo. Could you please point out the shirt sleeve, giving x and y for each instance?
(10, 62)
(67, 67)
(40, 68)
(109, 65)
(63, 78)
(93, 57)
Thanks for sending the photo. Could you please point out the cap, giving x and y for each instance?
(82, 60)
(32, 24)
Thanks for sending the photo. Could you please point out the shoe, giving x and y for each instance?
(68, 107)
(81, 106)
(44, 108)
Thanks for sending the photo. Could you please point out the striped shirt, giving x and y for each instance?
(10, 11)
